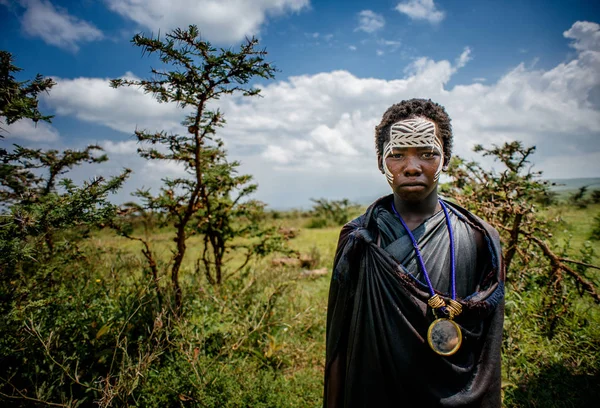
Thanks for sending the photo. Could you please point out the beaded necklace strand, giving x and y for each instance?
(444, 335)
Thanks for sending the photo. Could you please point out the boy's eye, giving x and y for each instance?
(428, 155)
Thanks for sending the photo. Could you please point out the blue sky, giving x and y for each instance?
(510, 70)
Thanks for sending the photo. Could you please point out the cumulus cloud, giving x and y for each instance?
(421, 10)
(121, 147)
(125, 109)
(586, 35)
(56, 26)
(316, 131)
(26, 129)
(369, 21)
(221, 21)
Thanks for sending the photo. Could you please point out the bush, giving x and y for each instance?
(332, 213)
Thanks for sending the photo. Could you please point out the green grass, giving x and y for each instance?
(259, 340)
(574, 226)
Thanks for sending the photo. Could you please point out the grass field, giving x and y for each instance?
(574, 226)
(259, 339)
(292, 347)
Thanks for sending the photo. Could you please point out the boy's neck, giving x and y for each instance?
(415, 212)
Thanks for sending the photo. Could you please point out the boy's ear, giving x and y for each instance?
(446, 164)
(380, 164)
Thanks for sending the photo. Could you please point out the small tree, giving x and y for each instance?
(213, 200)
(332, 212)
(508, 200)
(578, 198)
(38, 205)
(31, 207)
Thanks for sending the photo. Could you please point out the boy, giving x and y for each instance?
(416, 301)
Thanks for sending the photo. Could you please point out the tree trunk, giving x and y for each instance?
(513, 242)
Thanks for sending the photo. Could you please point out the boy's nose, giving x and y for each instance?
(412, 168)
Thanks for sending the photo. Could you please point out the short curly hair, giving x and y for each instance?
(409, 109)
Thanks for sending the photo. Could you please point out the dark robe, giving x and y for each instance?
(377, 318)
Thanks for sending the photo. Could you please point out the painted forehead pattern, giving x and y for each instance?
(416, 132)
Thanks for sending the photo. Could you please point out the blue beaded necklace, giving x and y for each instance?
(444, 335)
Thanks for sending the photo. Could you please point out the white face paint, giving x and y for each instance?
(416, 132)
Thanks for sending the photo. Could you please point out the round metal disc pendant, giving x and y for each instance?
(444, 336)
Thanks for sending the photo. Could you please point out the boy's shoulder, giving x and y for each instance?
(366, 219)
(366, 224)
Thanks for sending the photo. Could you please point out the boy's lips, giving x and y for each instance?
(413, 184)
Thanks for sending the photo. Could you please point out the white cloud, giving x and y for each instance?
(220, 21)
(164, 168)
(352, 47)
(390, 43)
(387, 45)
(26, 129)
(92, 100)
(56, 26)
(586, 35)
(369, 21)
(463, 58)
(421, 10)
(312, 133)
(123, 147)
(277, 155)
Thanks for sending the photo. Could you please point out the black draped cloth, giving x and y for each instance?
(378, 317)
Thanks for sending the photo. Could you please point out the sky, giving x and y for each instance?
(504, 71)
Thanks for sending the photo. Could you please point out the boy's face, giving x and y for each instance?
(413, 159)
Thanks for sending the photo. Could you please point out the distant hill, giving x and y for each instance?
(561, 186)
(573, 184)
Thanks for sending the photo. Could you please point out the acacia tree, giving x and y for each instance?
(18, 100)
(39, 205)
(509, 200)
(212, 200)
(31, 207)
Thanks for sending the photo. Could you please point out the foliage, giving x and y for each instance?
(507, 200)
(578, 198)
(550, 291)
(39, 253)
(101, 339)
(81, 324)
(43, 218)
(35, 210)
(257, 340)
(328, 213)
(213, 199)
(595, 234)
(19, 100)
(595, 198)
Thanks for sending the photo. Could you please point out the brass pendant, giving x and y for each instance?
(444, 336)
